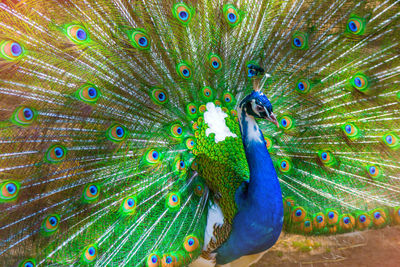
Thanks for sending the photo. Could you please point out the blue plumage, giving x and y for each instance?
(258, 222)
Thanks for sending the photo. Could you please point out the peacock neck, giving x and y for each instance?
(263, 178)
(259, 218)
(259, 201)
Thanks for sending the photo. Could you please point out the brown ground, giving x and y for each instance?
(370, 248)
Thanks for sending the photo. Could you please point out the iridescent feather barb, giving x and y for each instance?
(122, 126)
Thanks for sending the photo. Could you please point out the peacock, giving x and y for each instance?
(153, 133)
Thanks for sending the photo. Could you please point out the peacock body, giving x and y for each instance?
(138, 133)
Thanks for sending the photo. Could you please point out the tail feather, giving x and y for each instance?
(337, 97)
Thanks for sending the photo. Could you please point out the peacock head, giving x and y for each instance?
(258, 105)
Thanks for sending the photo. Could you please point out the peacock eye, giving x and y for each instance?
(260, 108)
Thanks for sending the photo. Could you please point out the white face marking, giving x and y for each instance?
(253, 132)
(254, 107)
(214, 117)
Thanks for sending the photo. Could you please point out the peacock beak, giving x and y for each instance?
(272, 118)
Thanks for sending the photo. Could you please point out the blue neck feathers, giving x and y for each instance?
(258, 222)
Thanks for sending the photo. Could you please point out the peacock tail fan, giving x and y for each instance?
(336, 147)
(108, 153)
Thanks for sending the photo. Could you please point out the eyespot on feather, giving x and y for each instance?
(391, 140)
(373, 171)
(378, 217)
(89, 253)
(300, 41)
(194, 166)
(202, 109)
(326, 157)
(56, 153)
(168, 260)
(363, 221)
(116, 133)
(288, 203)
(176, 130)
(91, 193)
(268, 142)
(356, 25)
(153, 260)
(298, 214)
(228, 99)
(190, 143)
(191, 110)
(231, 14)
(173, 201)
(184, 71)
(140, 40)
(319, 221)
(27, 263)
(350, 130)
(347, 222)
(159, 96)
(306, 226)
(182, 13)
(360, 82)
(195, 126)
(24, 116)
(332, 217)
(9, 191)
(303, 86)
(191, 243)
(153, 156)
(50, 224)
(128, 205)
(199, 189)
(286, 122)
(180, 165)
(11, 51)
(285, 165)
(207, 94)
(78, 34)
(88, 93)
(215, 62)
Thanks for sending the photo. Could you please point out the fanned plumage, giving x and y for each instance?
(119, 124)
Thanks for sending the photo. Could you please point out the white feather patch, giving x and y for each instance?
(214, 217)
(215, 119)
